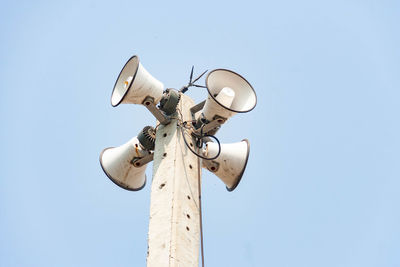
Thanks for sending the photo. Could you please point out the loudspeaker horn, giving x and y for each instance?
(228, 94)
(117, 164)
(134, 84)
(231, 162)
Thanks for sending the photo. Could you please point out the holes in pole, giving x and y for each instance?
(188, 197)
(161, 185)
(165, 135)
(187, 228)
(188, 216)
(190, 166)
(164, 155)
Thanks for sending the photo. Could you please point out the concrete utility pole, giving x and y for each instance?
(174, 228)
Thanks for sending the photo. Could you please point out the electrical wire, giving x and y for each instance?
(184, 125)
(200, 210)
(204, 136)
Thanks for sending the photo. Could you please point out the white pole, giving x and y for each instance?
(174, 228)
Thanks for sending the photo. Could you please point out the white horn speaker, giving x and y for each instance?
(117, 165)
(228, 94)
(134, 84)
(231, 162)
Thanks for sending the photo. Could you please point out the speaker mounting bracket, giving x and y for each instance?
(211, 127)
(197, 108)
(211, 165)
(139, 162)
(149, 104)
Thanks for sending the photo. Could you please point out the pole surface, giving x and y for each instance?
(174, 230)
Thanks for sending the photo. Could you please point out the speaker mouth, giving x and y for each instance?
(134, 61)
(114, 180)
(225, 107)
(244, 168)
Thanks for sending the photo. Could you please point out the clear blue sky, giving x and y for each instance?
(322, 187)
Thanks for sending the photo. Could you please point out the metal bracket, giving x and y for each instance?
(211, 165)
(139, 162)
(207, 139)
(197, 108)
(214, 124)
(149, 104)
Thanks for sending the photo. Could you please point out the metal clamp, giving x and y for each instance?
(169, 101)
(212, 125)
(197, 108)
(149, 104)
(139, 162)
(211, 165)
